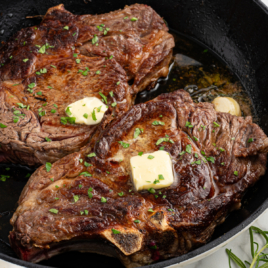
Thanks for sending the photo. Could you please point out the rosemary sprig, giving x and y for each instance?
(257, 255)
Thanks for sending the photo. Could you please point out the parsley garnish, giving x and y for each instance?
(47, 139)
(140, 153)
(134, 19)
(137, 132)
(91, 155)
(188, 148)
(250, 140)
(150, 210)
(103, 200)
(236, 173)
(115, 231)
(121, 194)
(66, 27)
(76, 198)
(137, 221)
(68, 111)
(216, 124)
(150, 157)
(53, 210)
(90, 195)
(86, 174)
(48, 166)
(156, 123)
(104, 97)
(124, 144)
(85, 115)
(188, 124)
(94, 115)
(2, 125)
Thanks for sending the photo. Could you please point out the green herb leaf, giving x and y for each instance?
(47, 139)
(188, 148)
(216, 124)
(103, 200)
(42, 50)
(89, 192)
(66, 27)
(124, 144)
(86, 174)
(236, 173)
(115, 231)
(151, 190)
(250, 140)
(85, 115)
(25, 60)
(53, 210)
(48, 166)
(137, 221)
(156, 123)
(104, 97)
(68, 112)
(140, 153)
(76, 198)
(150, 157)
(121, 194)
(161, 177)
(2, 125)
(134, 19)
(137, 132)
(150, 210)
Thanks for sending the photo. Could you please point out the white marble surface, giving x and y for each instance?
(240, 246)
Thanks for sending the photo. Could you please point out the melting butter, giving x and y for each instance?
(153, 170)
(88, 111)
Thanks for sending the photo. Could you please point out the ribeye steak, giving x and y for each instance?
(88, 197)
(129, 46)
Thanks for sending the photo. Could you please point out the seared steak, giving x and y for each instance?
(34, 133)
(87, 197)
(135, 38)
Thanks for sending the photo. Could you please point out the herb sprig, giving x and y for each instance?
(257, 255)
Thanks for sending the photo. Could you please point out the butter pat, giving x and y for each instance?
(88, 111)
(153, 170)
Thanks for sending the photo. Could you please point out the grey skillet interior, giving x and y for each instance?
(234, 30)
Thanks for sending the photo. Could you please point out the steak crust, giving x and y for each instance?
(136, 37)
(95, 195)
(142, 47)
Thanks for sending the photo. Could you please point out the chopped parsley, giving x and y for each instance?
(211, 159)
(93, 114)
(157, 123)
(2, 125)
(118, 82)
(47, 139)
(68, 111)
(140, 153)
(150, 157)
(77, 60)
(98, 72)
(76, 198)
(134, 19)
(91, 155)
(65, 120)
(90, 195)
(150, 210)
(95, 39)
(151, 190)
(53, 210)
(121, 194)
(25, 60)
(115, 231)
(104, 97)
(85, 115)
(103, 200)
(188, 148)
(42, 49)
(66, 27)
(137, 132)
(124, 144)
(48, 166)
(188, 124)
(216, 124)
(250, 140)
(137, 221)
(236, 173)
(86, 174)
(113, 104)
(111, 93)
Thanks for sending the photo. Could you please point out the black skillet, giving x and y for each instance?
(234, 30)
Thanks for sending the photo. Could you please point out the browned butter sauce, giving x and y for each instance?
(200, 73)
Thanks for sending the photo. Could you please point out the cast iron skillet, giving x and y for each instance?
(235, 30)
